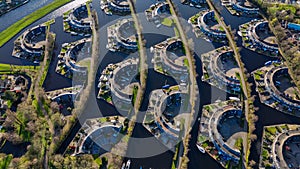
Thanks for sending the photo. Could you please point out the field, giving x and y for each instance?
(11, 31)
(9, 68)
(167, 22)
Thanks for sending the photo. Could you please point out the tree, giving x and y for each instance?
(12, 137)
(57, 120)
(57, 161)
(9, 95)
(54, 107)
(252, 163)
(253, 137)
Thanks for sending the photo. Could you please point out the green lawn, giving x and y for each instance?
(282, 7)
(186, 62)
(221, 28)
(11, 31)
(194, 18)
(238, 143)
(256, 76)
(176, 32)
(272, 130)
(85, 63)
(134, 93)
(5, 161)
(8, 67)
(167, 22)
(201, 138)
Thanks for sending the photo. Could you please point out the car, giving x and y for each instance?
(201, 149)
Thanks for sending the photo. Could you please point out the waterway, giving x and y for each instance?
(208, 94)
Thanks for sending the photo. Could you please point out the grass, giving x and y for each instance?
(85, 63)
(186, 62)
(107, 97)
(37, 106)
(5, 161)
(194, 18)
(9, 67)
(221, 29)
(256, 76)
(176, 32)
(204, 145)
(43, 77)
(102, 120)
(238, 143)
(12, 30)
(167, 22)
(172, 88)
(134, 93)
(48, 23)
(88, 8)
(265, 154)
(159, 68)
(272, 130)
(98, 161)
(149, 118)
(206, 76)
(281, 7)
(201, 138)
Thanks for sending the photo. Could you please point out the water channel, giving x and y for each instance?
(208, 94)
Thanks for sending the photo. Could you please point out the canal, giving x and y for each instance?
(208, 94)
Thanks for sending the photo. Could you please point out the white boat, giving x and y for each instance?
(207, 39)
(239, 33)
(123, 166)
(128, 164)
(201, 149)
(109, 13)
(74, 33)
(102, 7)
(234, 98)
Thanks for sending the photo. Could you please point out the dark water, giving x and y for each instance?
(267, 116)
(208, 94)
(20, 12)
(16, 150)
(54, 80)
(7, 19)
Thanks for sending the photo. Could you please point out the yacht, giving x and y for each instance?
(201, 149)
(128, 164)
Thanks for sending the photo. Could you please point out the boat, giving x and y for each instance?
(74, 33)
(207, 39)
(234, 98)
(128, 164)
(201, 149)
(239, 33)
(123, 166)
(268, 63)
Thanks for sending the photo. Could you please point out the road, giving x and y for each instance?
(143, 58)
(192, 72)
(233, 45)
